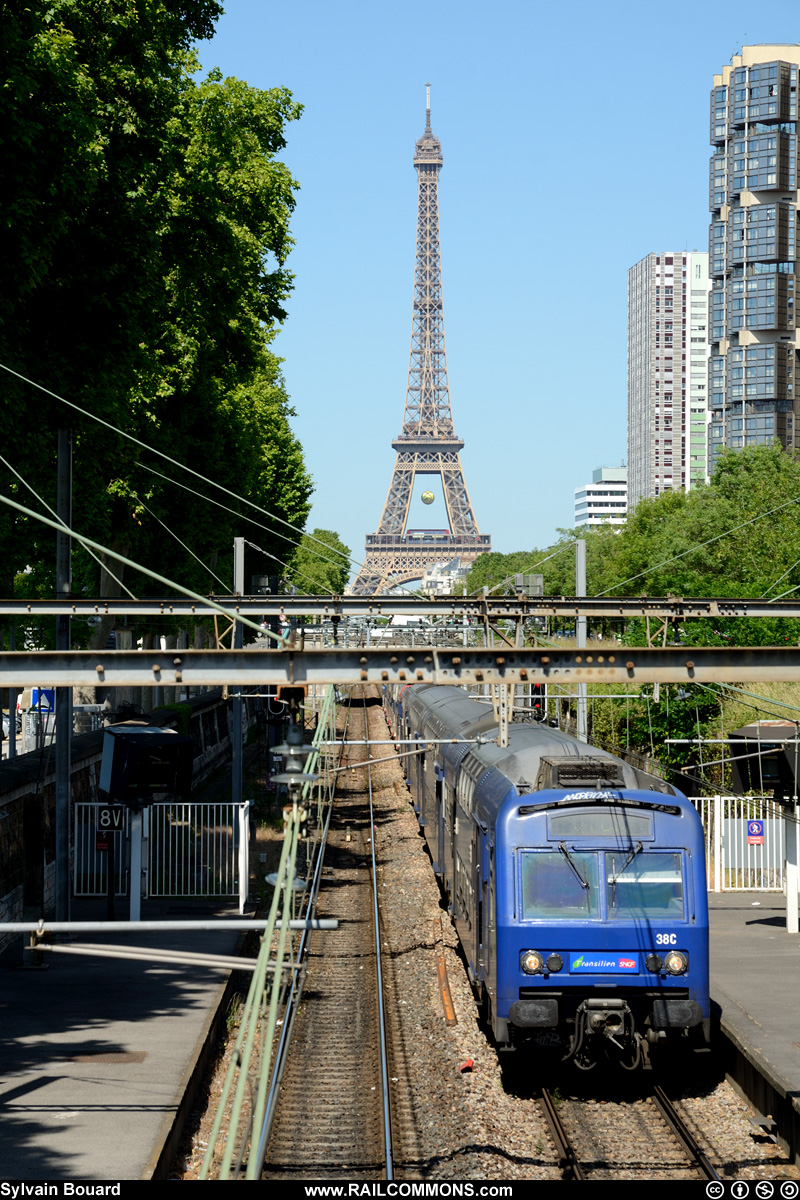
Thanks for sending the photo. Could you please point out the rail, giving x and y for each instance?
(567, 1158)
(252, 1058)
(338, 1043)
(569, 1161)
(682, 1131)
(298, 980)
(384, 1057)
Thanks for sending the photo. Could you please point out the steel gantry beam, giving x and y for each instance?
(493, 607)
(451, 665)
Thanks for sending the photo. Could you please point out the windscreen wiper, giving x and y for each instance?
(576, 870)
(637, 849)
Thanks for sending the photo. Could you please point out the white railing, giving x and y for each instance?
(90, 865)
(735, 862)
(194, 849)
(188, 849)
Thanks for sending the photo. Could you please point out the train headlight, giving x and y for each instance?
(653, 963)
(676, 962)
(532, 962)
(554, 962)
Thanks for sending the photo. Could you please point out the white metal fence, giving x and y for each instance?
(188, 849)
(90, 865)
(734, 861)
(194, 849)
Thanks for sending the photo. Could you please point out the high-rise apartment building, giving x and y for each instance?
(753, 259)
(667, 373)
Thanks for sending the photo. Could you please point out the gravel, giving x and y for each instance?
(485, 1123)
(455, 1122)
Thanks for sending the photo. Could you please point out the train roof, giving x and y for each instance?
(537, 755)
(530, 744)
(452, 711)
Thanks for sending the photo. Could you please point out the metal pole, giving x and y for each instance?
(136, 866)
(63, 695)
(111, 882)
(42, 927)
(236, 710)
(792, 874)
(580, 639)
(12, 707)
(244, 857)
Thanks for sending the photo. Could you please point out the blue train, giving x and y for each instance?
(577, 883)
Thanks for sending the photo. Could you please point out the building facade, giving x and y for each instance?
(667, 373)
(752, 244)
(604, 501)
(441, 579)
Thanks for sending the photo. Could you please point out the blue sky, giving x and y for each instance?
(575, 141)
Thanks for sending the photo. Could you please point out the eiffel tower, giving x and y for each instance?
(427, 444)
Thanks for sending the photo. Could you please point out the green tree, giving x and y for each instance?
(88, 88)
(214, 392)
(143, 245)
(736, 537)
(320, 568)
(645, 722)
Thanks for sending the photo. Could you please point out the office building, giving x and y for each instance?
(752, 244)
(604, 501)
(667, 373)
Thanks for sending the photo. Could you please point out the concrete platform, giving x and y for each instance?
(755, 981)
(96, 1054)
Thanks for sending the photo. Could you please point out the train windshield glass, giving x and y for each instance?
(560, 887)
(611, 822)
(650, 885)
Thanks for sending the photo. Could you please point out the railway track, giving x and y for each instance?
(332, 1116)
(642, 1139)
(450, 1124)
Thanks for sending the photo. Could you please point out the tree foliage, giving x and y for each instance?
(321, 564)
(143, 243)
(648, 722)
(736, 537)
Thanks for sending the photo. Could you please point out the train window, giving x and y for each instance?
(650, 885)
(552, 887)
(608, 823)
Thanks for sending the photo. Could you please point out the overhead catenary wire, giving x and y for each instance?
(730, 687)
(178, 540)
(160, 453)
(53, 513)
(788, 592)
(258, 524)
(281, 563)
(701, 545)
(778, 580)
(206, 601)
(182, 466)
(226, 508)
